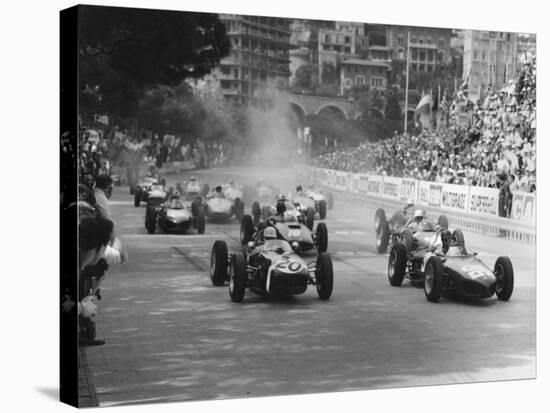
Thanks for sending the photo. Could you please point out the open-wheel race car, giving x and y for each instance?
(291, 224)
(174, 215)
(224, 204)
(402, 228)
(446, 267)
(269, 265)
(143, 189)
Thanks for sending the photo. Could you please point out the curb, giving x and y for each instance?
(87, 396)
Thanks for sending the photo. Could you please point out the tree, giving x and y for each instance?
(393, 109)
(306, 78)
(124, 52)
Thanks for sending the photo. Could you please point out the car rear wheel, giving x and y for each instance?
(504, 272)
(201, 220)
(310, 218)
(407, 239)
(443, 222)
(382, 237)
(379, 216)
(151, 223)
(237, 278)
(322, 209)
(458, 237)
(322, 237)
(218, 263)
(324, 276)
(256, 212)
(397, 264)
(247, 229)
(433, 279)
(137, 198)
(239, 209)
(330, 200)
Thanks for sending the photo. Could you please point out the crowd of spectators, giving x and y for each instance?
(498, 145)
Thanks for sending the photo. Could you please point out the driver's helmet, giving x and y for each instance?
(192, 179)
(299, 188)
(446, 238)
(218, 189)
(410, 202)
(418, 215)
(270, 233)
(230, 182)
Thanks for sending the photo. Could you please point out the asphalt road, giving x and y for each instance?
(172, 336)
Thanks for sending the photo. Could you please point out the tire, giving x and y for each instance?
(218, 263)
(443, 222)
(247, 229)
(433, 279)
(322, 209)
(201, 220)
(239, 209)
(132, 190)
(137, 198)
(382, 237)
(324, 276)
(237, 278)
(310, 218)
(459, 237)
(322, 237)
(504, 271)
(397, 264)
(330, 200)
(256, 212)
(379, 216)
(151, 223)
(407, 239)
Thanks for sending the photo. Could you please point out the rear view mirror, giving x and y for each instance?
(250, 244)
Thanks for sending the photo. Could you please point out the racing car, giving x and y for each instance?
(263, 196)
(446, 267)
(145, 187)
(224, 204)
(291, 225)
(175, 215)
(308, 207)
(396, 230)
(269, 265)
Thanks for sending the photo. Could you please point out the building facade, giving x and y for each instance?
(362, 72)
(490, 60)
(258, 65)
(429, 46)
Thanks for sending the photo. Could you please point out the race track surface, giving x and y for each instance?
(173, 336)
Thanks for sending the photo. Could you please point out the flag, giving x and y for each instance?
(425, 101)
(444, 105)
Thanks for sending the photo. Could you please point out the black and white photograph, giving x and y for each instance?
(258, 204)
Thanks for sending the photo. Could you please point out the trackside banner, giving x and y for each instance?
(476, 200)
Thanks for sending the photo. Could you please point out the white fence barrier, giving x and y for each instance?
(477, 201)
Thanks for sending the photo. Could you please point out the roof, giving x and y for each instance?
(363, 62)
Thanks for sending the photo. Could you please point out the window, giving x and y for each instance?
(400, 53)
(360, 80)
(413, 67)
(421, 40)
(475, 54)
(430, 55)
(327, 38)
(440, 56)
(483, 56)
(429, 67)
(414, 54)
(413, 39)
(421, 68)
(429, 40)
(376, 81)
(441, 43)
(400, 40)
(422, 55)
(508, 36)
(347, 39)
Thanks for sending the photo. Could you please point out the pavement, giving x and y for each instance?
(172, 336)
